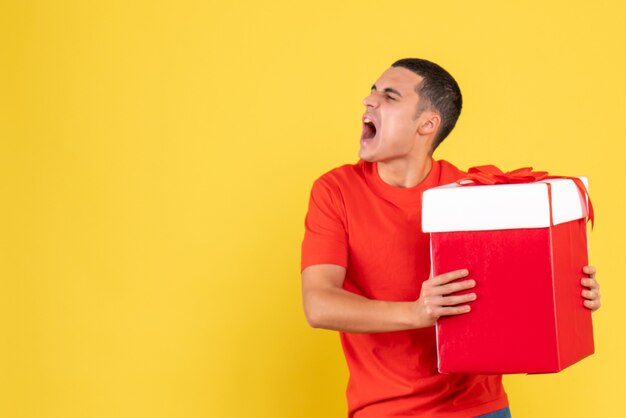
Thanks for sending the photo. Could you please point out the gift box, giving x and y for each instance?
(525, 245)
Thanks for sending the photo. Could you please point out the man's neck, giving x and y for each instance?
(405, 173)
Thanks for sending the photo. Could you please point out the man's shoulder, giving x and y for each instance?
(449, 172)
(343, 175)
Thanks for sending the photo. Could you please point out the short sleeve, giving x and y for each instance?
(325, 236)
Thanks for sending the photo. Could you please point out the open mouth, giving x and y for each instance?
(369, 129)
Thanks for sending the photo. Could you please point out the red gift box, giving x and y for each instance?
(525, 246)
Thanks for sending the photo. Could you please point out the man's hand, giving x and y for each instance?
(592, 295)
(437, 299)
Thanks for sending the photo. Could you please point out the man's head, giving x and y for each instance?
(438, 91)
(411, 108)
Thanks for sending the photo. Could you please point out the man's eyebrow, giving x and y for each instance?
(387, 90)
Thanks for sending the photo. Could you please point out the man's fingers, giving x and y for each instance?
(432, 289)
(448, 289)
(590, 294)
(438, 297)
(455, 310)
(590, 270)
(590, 283)
(592, 304)
(449, 277)
(456, 300)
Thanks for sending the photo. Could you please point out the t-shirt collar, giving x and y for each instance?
(400, 195)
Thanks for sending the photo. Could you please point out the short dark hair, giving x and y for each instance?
(438, 91)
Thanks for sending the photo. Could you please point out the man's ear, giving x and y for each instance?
(429, 123)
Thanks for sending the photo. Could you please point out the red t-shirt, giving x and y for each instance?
(373, 229)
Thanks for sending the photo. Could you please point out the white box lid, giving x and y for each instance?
(503, 206)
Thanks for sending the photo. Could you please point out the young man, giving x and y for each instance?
(365, 260)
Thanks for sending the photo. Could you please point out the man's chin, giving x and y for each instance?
(368, 149)
(369, 160)
(366, 156)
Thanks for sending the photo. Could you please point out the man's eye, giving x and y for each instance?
(389, 97)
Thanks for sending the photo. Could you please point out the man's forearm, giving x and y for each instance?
(340, 310)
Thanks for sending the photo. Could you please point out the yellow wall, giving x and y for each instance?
(157, 160)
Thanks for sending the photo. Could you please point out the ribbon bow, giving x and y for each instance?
(490, 174)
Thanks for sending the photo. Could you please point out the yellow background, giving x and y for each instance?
(157, 161)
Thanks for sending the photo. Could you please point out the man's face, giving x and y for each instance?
(389, 122)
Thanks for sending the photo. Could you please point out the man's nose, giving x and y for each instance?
(371, 100)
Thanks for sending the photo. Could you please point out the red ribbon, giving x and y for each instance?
(490, 174)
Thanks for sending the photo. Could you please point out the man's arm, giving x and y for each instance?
(327, 305)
